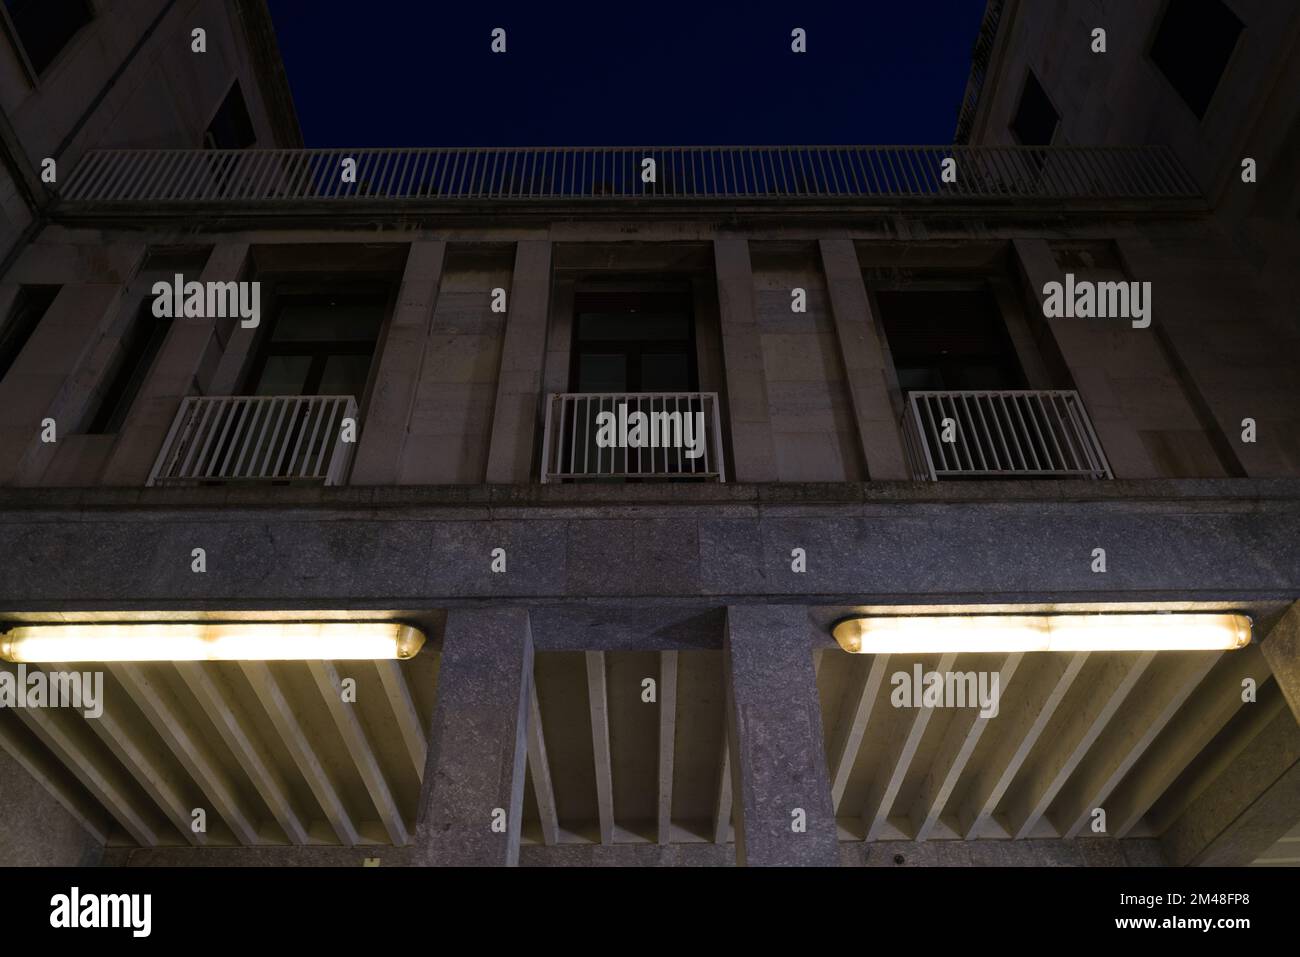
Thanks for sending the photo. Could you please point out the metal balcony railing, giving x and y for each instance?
(620, 435)
(269, 179)
(257, 439)
(1008, 434)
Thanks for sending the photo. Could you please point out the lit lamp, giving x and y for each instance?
(935, 634)
(211, 641)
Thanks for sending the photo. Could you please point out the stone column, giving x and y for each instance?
(742, 355)
(783, 809)
(473, 801)
(519, 385)
(190, 346)
(864, 361)
(1282, 652)
(387, 419)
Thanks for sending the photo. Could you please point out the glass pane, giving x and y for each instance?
(325, 323)
(632, 326)
(665, 373)
(344, 375)
(283, 375)
(602, 373)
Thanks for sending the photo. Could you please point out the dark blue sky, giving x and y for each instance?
(421, 73)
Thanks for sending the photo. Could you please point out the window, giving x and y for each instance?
(29, 306)
(948, 341)
(1036, 119)
(139, 348)
(231, 128)
(633, 342)
(44, 27)
(1192, 46)
(320, 343)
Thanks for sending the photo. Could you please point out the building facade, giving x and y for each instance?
(625, 432)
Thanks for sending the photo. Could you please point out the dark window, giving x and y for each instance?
(1192, 47)
(633, 342)
(138, 350)
(948, 341)
(29, 306)
(1036, 119)
(231, 128)
(320, 343)
(44, 27)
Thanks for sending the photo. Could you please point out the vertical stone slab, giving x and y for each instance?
(742, 353)
(774, 729)
(53, 376)
(174, 376)
(1120, 441)
(384, 432)
(856, 330)
(515, 415)
(479, 741)
(1282, 652)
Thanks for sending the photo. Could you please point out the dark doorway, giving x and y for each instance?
(633, 342)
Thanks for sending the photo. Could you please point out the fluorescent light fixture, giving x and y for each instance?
(211, 641)
(1147, 631)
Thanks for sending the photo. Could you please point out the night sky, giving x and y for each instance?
(389, 73)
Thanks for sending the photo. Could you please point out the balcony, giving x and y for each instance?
(1003, 434)
(160, 181)
(632, 435)
(281, 439)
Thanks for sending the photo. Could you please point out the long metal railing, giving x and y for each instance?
(981, 434)
(270, 178)
(258, 438)
(619, 435)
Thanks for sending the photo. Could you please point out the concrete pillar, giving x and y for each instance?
(865, 366)
(1281, 650)
(479, 742)
(742, 353)
(190, 346)
(519, 385)
(1120, 440)
(387, 420)
(52, 376)
(774, 729)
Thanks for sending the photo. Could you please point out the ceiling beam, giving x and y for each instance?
(258, 764)
(539, 767)
(1043, 779)
(330, 685)
(667, 741)
(1253, 801)
(852, 727)
(107, 783)
(298, 744)
(157, 779)
(172, 726)
(1130, 734)
(409, 726)
(889, 775)
(54, 777)
(962, 735)
(598, 702)
(1024, 719)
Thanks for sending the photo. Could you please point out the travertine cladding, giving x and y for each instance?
(451, 417)
(813, 432)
